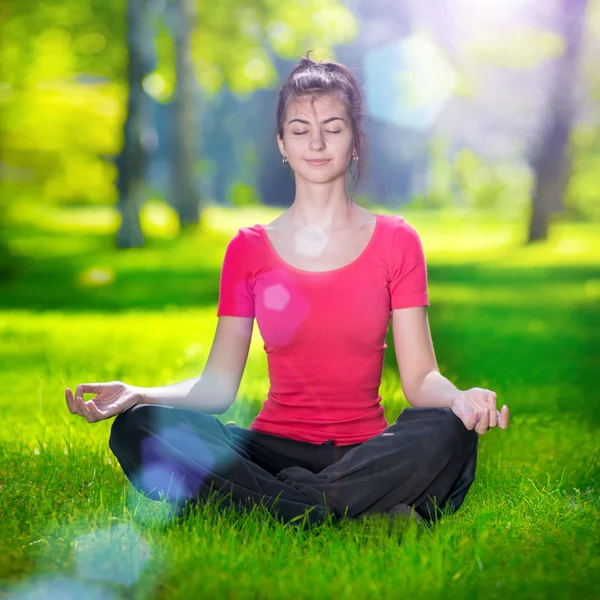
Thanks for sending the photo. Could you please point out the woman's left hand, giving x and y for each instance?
(476, 408)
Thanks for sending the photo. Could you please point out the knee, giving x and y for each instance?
(453, 434)
(126, 423)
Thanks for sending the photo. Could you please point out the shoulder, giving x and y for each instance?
(399, 229)
(245, 237)
(244, 249)
(403, 244)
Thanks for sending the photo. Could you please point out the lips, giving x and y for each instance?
(317, 163)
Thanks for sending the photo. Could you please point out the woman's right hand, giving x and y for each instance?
(112, 398)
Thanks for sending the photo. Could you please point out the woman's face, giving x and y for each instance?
(319, 130)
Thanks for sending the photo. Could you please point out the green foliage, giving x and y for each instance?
(165, 78)
(468, 181)
(520, 47)
(64, 88)
(483, 185)
(57, 129)
(583, 193)
(229, 43)
(44, 41)
(241, 194)
(439, 191)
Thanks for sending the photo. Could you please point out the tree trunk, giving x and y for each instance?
(552, 162)
(184, 187)
(139, 132)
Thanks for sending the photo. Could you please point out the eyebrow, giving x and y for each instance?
(323, 122)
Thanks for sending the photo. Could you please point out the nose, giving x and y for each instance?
(317, 141)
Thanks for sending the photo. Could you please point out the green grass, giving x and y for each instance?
(524, 322)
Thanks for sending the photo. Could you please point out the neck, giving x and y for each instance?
(327, 209)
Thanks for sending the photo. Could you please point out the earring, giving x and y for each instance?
(284, 160)
(354, 157)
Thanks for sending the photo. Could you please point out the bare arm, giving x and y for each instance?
(216, 389)
(422, 383)
(201, 393)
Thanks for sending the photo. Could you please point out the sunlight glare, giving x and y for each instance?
(58, 588)
(117, 555)
(310, 241)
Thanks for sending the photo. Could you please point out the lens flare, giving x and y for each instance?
(116, 555)
(310, 241)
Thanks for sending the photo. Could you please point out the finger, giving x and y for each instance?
(78, 401)
(82, 409)
(91, 388)
(504, 417)
(70, 401)
(79, 392)
(95, 411)
(484, 421)
(493, 411)
(79, 405)
(485, 425)
(471, 421)
(88, 388)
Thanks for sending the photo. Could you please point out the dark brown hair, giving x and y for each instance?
(313, 79)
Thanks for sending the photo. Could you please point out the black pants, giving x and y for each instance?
(426, 459)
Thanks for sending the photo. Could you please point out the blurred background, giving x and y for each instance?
(140, 116)
(137, 136)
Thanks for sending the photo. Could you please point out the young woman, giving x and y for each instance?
(322, 280)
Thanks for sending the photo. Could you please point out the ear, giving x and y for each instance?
(281, 145)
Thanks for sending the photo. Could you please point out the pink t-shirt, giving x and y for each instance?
(324, 332)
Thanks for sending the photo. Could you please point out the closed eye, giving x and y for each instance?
(328, 131)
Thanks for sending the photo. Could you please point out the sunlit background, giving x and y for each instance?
(137, 136)
(472, 104)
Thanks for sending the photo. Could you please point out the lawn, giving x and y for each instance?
(524, 322)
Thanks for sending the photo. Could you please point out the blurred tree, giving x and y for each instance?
(68, 109)
(552, 162)
(544, 53)
(184, 188)
(234, 47)
(228, 44)
(139, 133)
